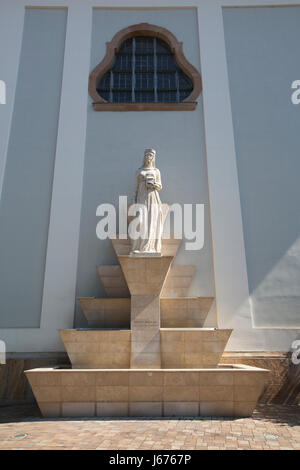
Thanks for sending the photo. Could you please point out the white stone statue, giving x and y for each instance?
(148, 183)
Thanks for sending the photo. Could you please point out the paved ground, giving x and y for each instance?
(271, 427)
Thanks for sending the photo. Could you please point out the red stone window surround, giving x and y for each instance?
(144, 29)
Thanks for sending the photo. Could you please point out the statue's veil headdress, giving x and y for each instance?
(146, 151)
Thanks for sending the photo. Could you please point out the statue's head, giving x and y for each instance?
(149, 158)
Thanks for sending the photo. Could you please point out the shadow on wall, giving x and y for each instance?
(266, 126)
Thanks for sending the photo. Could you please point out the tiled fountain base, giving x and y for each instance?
(224, 391)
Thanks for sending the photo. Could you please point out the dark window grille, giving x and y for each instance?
(144, 71)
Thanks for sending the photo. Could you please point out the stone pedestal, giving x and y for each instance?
(145, 277)
(145, 332)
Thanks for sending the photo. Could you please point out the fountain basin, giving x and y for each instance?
(223, 391)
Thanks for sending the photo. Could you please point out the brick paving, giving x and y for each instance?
(272, 427)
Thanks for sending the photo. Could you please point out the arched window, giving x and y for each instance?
(144, 69)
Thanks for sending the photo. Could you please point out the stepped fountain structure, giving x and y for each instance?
(146, 351)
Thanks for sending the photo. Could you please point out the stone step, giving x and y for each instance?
(188, 312)
(98, 349)
(107, 312)
(183, 348)
(191, 348)
(113, 281)
(230, 390)
(123, 246)
(177, 283)
(184, 312)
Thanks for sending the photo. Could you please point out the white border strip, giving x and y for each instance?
(63, 237)
(62, 250)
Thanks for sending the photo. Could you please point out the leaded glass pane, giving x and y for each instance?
(144, 81)
(166, 63)
(104, 83)
(166, 81)
(121, 97)
(144, 45)
(126, 47)
(162, 47)
(122, 81)
(144, 63)
(123, 63)
(144, 97)
(185, 83)
(166, 96)
(183, 94)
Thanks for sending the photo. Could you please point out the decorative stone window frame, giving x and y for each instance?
(144, 29)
